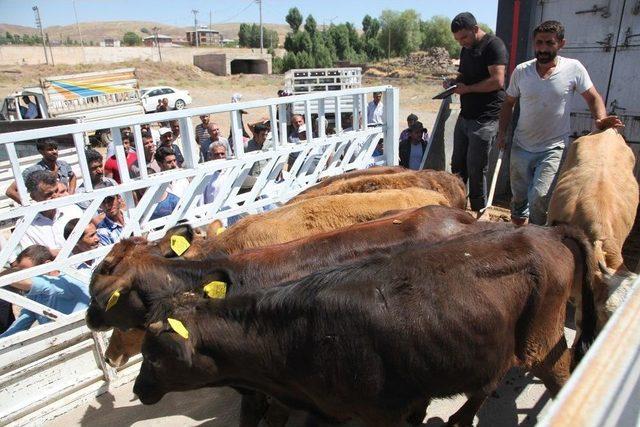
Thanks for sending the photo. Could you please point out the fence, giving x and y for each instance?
(50, 368)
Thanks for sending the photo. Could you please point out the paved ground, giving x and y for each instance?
(518, 402)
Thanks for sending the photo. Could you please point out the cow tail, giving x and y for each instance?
(589, 315)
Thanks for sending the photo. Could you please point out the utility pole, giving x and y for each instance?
(209, 18)
(50, 50)
(389, 46)
(195, 26)
(84, 54)
(39, 25)
(155, 33)
(261, 30)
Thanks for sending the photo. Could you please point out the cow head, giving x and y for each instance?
(114, 301)
(616, 289)
(170, 363)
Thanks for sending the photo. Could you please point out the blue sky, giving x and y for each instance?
(178, 12)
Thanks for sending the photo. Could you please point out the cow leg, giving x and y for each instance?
(253, 406)
(555, 369)
(465, 415)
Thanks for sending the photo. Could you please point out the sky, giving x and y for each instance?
(178, 12)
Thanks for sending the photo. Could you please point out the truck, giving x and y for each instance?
(604, 35)
(306, 81)
(84, 97)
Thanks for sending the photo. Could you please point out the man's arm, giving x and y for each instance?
(506, 113)
(12, 192)
(494, 82)
(599, 111)
(72, 184)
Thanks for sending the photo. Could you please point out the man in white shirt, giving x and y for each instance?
(47, 227)
(375, 110)
(545, 88)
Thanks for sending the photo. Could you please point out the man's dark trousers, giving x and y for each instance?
(472, 141)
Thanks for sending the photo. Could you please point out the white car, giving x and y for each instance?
(178, 99)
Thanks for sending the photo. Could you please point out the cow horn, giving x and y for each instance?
(604, 269)
(156, 327)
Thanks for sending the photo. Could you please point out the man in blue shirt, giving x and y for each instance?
(54, 290)
(110, 228)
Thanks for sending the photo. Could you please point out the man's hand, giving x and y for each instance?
(461, 89)
(609, 122)
(447, 83)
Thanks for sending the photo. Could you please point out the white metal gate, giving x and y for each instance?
(51, 368)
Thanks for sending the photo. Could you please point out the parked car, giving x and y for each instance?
(178, 99)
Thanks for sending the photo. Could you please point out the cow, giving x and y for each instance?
(136, 269)
(598, 192)
(312, 216)
(376, 170)
(445, 183)
(377, 338)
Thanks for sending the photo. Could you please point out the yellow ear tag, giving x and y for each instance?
(113, 299)
(179, 328)
(215, 289)
(179, 244)
(220, 230)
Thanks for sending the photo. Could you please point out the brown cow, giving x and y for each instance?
(449, 185)
(598, 192)
(376, 170)
(377, 338)
(140, 270)
(135, 270)
(311, 216)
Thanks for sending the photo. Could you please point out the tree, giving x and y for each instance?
(244, 34)
(294, 19)
(310, 25)
(131, 39)
(436, 32)
(370, 27)
(298, 42)
(145, 30)
(401, 30)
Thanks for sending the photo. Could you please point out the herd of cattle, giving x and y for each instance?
(372, 293)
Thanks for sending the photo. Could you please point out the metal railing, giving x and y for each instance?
(50, 368)
(321, 155)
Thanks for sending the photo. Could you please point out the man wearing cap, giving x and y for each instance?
(411, 119)
(166, 140)
(480, 84)
(411, 150)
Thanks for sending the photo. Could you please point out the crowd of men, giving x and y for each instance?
(52, 177)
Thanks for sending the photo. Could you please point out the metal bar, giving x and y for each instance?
(17, 174)
(391, 128)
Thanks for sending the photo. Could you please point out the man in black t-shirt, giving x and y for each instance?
(480, 81)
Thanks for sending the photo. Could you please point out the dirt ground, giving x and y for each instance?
(208, 89)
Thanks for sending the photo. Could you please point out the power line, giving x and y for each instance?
(251, 2)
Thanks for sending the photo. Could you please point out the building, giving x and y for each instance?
(205, 37)
(110, 42)
(150, 41)
(225, 64)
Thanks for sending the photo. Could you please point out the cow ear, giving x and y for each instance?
(108, 289)
(176, 241)
(219, 282)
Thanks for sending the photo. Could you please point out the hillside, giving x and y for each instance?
(96, 31)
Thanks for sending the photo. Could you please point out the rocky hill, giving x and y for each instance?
(97, 31)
